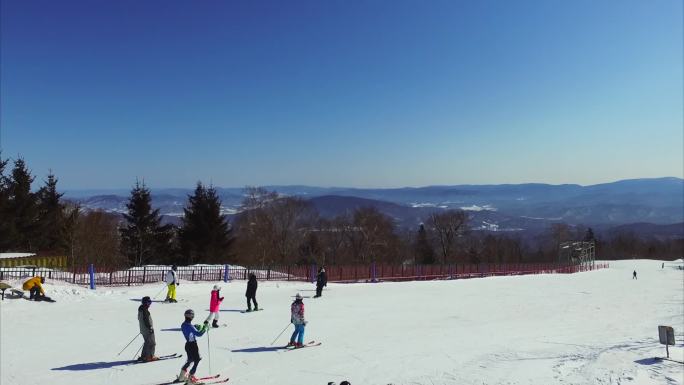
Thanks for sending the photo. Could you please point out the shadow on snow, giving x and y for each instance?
(96, 365)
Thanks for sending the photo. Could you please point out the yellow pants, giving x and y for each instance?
(171, 294)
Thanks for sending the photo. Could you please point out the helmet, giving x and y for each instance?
(345, 383)
(298, 296)
(174, 267)
(217, 287)
(146, 300)
(189, 313)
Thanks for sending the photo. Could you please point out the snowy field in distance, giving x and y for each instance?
(596, 327)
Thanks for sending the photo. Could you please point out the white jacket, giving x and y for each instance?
(171, 277)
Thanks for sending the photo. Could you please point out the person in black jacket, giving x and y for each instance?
(321, 282)
(251, 292)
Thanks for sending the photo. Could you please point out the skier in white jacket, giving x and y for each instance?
(171, 281)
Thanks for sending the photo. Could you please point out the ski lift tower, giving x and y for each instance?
(577, 252)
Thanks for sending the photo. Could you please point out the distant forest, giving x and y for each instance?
(270, 229)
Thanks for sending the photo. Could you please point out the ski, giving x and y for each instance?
(203, 381)
(161, 358)
(209, 377)
(306, 345)
(250, 311)
(221, 381)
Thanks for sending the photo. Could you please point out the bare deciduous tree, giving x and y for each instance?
(448, 226)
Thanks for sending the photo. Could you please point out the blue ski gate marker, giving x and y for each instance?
(91, 271)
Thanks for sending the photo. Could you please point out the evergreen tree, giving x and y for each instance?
(22, 207)
(589, 235)
(205, 235)
(51, 218)
(6, 216)
(424, 249)
(144, 239)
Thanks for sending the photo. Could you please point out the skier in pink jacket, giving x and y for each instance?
(214, 305)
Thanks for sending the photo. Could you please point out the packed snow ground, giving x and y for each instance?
(596, 327)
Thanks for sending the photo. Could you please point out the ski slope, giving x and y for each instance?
(597, 327)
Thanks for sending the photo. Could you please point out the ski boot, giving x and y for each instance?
(183, 376)
(151, 358)
(215, 324)
(291, 343)
(192, 380)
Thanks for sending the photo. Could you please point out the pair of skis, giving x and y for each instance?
(251, 311)
(216, 379)
(160, 358)
(309, 344)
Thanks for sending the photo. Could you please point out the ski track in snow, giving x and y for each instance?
(596, 327)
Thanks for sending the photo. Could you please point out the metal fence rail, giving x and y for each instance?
(111, 276)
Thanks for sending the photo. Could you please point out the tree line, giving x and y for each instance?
(269, 229)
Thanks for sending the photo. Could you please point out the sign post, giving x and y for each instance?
(666, 336)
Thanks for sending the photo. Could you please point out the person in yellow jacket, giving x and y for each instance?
(35, 288)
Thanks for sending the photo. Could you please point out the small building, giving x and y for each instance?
(31, 259)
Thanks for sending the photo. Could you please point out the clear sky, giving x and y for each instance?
(343, 93)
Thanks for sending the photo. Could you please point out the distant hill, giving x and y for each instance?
(658, 201)
(650, 230)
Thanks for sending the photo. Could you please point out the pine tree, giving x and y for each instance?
(6, 216)
(205, 235)
(144, 239)
(22, 208)
(51, 218)
(424, 249)
(589, 235)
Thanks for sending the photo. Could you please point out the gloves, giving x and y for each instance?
(306, 322)
(291, 320)
(151, 330)
(221, 299)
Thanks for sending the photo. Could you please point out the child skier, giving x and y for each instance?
(297, 318)
(251, 292)
(214, 304)
(191, 332)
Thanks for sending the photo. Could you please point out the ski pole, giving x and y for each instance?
(136, 336)
(139, 349)
(209, 351)
(159, 292)
(281, 333)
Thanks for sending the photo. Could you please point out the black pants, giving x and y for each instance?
(35, 293)
(253, 299)
(319, 291)
(192, 350)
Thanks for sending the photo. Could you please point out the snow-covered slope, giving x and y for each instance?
(597, 327)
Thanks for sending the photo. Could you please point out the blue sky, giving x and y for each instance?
(343, 93)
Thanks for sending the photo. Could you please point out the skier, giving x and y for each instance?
(297, 318)
(634, 275)
(147, 331)
(191, 332)
(321, 282)
(34, 285)
(214, 304)
(251, 292)
(172, 282)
